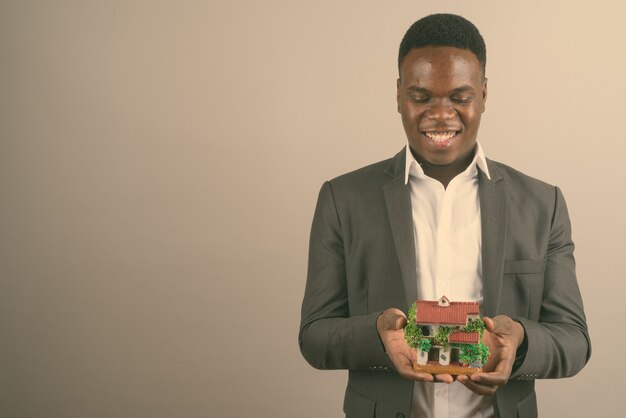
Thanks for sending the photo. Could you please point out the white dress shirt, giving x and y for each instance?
(448, 243)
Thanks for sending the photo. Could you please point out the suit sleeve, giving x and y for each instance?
(558, 344)
(330, 338)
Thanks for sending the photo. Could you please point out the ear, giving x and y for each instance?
(484, 94)
(398, 93)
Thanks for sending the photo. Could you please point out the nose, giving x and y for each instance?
(440, 111)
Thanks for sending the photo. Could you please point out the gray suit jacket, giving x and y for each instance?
(362, 261)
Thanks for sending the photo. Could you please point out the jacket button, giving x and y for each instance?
(399, 415)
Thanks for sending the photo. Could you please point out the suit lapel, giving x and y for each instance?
(493, 214)
(398, 202)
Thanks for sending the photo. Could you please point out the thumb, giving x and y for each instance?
(400, 321)
(394, 319)
(490, 324)
(501, 325)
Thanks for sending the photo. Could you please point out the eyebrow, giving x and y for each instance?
(461, 89)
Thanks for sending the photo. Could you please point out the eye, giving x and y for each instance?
(420, 98)
(462, 99)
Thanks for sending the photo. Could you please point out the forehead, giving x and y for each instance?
(441, 64)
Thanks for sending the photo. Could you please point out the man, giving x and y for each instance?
(439, 219)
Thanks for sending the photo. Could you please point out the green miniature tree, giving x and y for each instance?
(442, 334)
(412, 333)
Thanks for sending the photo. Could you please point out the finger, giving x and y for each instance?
(478, 388)
(407, 372)
(490, 379)
(424, 377)
(444, 378)
(405, 368)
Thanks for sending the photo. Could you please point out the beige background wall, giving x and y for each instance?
(160, 162)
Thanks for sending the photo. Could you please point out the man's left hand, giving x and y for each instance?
(503, 336)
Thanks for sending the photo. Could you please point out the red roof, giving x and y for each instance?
(429, 312)
(463, 337)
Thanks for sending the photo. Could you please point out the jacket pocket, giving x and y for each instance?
(522, 288)
(357, 405)
(524, 266)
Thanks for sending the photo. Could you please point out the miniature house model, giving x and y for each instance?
(447, 337)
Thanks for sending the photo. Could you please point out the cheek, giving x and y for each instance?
(406, 121)
(471, 118)
(410, 113)
(410, 122)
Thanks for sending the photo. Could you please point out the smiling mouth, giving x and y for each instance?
(441, 136)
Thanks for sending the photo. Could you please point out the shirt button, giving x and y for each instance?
(399, 415)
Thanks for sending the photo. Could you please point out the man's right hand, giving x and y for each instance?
(390, 326)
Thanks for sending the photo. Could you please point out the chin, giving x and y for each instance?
(441, 161)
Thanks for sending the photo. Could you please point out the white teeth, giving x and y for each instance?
(440, 136)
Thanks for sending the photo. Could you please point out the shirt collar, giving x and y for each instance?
(413, 167)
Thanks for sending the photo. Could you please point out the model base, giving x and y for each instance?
(451, 369)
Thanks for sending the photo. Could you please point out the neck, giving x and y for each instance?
(444, 173)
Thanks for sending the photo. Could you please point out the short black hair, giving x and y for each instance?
(444, 29)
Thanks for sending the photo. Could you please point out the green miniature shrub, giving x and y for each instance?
(473, 354)
(424, 344)
(475, 325)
